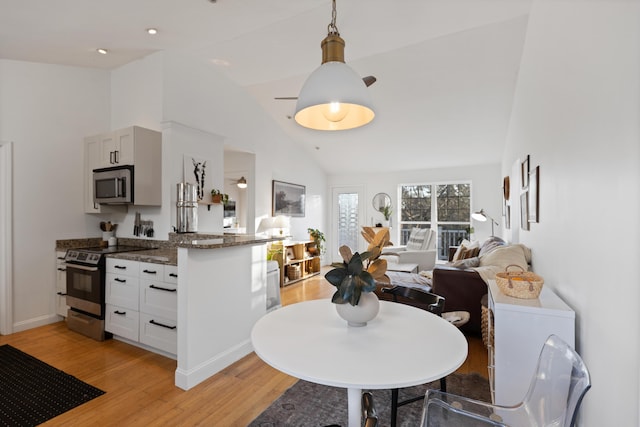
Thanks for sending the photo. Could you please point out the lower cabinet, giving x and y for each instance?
(61, 284)
(142, 303)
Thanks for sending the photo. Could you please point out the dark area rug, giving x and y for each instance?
(310, 404)
(32, 392)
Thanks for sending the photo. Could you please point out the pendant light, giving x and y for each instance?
(334, 97)
(242, 182)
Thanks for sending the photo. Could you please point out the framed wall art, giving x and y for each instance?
(524, 173)
(524, 210)
(288, 199)
(195, 172)
(534, 196)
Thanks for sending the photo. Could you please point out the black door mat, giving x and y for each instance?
(32, 392)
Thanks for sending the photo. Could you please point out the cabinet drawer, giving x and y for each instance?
(122, 266)
(159, 332)
(122, 321)
(122, 290)
(61, 305)
(151, 271)
(171, 273)
(159, 299)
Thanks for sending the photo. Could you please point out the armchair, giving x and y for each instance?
(421, 250)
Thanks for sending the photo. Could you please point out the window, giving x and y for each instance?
(443, 207)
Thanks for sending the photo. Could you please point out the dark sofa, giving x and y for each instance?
(462, 289)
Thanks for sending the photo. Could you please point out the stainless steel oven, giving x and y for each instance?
(86, 289)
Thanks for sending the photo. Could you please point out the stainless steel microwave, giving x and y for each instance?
(113, 185)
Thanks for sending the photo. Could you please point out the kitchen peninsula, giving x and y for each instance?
(222, 282)
(221, 293)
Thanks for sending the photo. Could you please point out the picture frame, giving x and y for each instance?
(524, 210)
(507, 217)
(195, 172)
(534, 195)
(288, 199)
(524, 173)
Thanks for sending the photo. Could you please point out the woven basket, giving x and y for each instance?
(294, 272)
(520, 284)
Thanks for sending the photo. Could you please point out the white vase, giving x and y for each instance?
(358, 315)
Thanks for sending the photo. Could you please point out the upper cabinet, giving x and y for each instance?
(130, 146)
(117, 148)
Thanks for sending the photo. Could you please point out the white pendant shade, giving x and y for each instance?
(334, 97)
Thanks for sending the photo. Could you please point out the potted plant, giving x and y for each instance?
(386, 212)
(356, 277)
(219, 197)
(318, 237)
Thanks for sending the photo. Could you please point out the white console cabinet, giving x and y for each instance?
(520, 327)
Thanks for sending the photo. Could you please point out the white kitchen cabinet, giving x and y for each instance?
(61, 284)
(520, 328)
(117, 148)
(135, 146)
(91, 161)
(122, 283)
(150, 316)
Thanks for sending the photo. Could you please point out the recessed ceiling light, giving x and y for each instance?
(152, 31)
(102, 51)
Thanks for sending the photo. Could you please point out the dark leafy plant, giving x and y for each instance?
(359, 273)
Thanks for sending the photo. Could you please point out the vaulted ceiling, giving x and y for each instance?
(446, 70)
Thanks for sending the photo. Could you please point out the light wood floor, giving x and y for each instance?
(140, 388)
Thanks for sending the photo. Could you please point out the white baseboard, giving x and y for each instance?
(188, 379)
(35, 322)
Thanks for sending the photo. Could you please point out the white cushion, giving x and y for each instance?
(416, 239)
(504, 256)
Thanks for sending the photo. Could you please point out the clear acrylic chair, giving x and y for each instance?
(560, 382)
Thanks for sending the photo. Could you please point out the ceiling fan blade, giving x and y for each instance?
(368, 80)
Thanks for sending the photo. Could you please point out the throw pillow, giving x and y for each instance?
(416, 239)
(466, 263)
(490, 244)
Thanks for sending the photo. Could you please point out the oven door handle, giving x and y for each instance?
(82, 267)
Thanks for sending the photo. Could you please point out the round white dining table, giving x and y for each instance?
(403, 346)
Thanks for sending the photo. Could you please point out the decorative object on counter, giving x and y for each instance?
(355, 279)
(219, 197)
(108, 231)
(318, 237)
(519, 284)
(186, 208)
(288, 199)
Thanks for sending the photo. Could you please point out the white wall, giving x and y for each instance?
(577, 114)
(486, 185)
(46, 111)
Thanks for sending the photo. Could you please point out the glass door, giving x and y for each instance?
(347, 214)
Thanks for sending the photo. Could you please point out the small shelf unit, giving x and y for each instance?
(298, 260)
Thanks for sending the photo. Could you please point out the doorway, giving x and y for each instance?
(6, 238)
(347, 214)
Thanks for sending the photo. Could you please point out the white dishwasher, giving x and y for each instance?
(273, 285)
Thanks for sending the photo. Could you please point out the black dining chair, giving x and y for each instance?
(426, 301)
